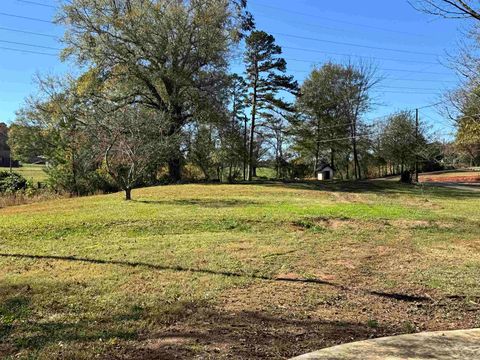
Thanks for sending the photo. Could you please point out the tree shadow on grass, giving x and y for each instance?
(220, 334)
(207, 203)
(395, 296)
(236, 329)
(380, 187)
(195, 328)
(24, 327)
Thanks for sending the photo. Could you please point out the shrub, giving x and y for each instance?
(12, 182)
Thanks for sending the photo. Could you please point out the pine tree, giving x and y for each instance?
(266, 78)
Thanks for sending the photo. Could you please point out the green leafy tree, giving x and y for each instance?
(468, 123)
(332, 101)
(53, 126)
(167, 55)
(205, 151)
(322, 130)
(400, 142)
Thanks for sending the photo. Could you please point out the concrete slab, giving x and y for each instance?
(442, 345)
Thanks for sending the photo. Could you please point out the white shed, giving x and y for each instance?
(325, 172)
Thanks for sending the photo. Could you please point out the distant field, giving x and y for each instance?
(235, 271)
(267, 173)
(31, 172)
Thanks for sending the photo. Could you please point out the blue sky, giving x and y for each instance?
(408, 47)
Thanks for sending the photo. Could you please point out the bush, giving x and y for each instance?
(12, 182)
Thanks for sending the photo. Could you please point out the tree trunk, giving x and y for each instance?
(250, 152)
(175, 161)
(128, 194)
(175, 169)
(332, 158)
(252, 126)
(317, 159)
(245, 150)
(347, 172)
(356, 163)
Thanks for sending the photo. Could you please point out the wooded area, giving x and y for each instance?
(156, 102)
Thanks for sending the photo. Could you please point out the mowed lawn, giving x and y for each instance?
(235, 271)
(32, 172)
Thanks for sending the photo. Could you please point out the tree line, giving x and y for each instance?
(156, 101)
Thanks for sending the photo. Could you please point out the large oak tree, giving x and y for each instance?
(170, 53)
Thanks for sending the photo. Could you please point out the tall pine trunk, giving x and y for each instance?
(245, 149)
(252, 171)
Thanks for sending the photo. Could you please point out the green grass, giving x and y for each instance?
(267, 173)
(184, 270)
(32, 172)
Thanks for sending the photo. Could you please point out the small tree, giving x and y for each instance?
(53, 125)
(132, 142)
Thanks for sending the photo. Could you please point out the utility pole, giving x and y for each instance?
(416, 145)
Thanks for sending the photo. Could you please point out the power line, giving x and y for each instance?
(355, 45)
(388, 69)
(337, 21)
(416, 71)
(26, 51)
(431, 105)
(424, 80)
(310, 61)
(366, 57)
(442, 121)
(404, 92)
(347, 138)
(28, 32)
(36, 3)
(405, 88)
(32, 45)
(26, 18)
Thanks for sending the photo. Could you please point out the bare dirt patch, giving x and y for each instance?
(319, 223)
(277, 320)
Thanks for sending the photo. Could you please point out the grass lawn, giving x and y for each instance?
(268, 173)
(33, 172)
(235, 271)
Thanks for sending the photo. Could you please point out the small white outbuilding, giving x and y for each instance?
(325, 172)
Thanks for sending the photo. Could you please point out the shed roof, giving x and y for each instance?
(322, 166)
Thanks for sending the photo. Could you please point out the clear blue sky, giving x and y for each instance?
(408, 47)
